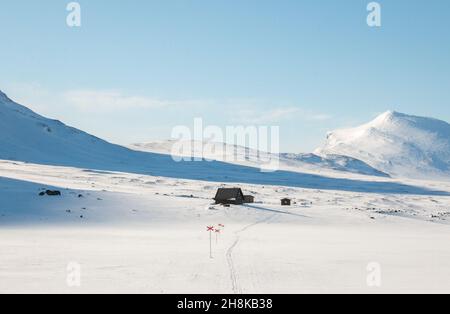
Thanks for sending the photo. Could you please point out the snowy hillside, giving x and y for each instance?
(398, 144)
(311, 163)
(332, 162)
(27, 136)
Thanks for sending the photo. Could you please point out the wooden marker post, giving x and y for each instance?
(210, 230)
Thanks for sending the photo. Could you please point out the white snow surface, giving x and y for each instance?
(133, 233)
(135, 221)
(398, 144)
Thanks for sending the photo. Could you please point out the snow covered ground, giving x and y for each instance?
(140, 233)
(135, 220)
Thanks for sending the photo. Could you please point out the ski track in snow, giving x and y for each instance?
(236, 287)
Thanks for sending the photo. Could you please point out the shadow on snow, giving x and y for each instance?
(160, 165)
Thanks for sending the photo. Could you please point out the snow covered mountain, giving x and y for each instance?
(27, 136)
(245, 156)
(398, 144)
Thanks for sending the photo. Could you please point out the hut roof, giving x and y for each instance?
(229, 193)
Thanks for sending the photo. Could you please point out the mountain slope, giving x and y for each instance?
(398, 144)
(333, 164)
(27, 136)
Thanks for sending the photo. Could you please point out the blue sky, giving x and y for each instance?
(136, 69)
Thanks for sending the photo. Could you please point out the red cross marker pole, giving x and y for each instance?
(210, 230)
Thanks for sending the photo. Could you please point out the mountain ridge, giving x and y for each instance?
(393, 144)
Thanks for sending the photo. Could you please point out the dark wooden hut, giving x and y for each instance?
(229, 196)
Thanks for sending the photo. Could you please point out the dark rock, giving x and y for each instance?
(53, 193)
(50, 193)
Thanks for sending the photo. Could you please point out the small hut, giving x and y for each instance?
(226, 196)
(249, 199)
(286, 202)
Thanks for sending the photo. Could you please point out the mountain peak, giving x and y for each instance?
(389, 113)
(396, 143)
(389, 116)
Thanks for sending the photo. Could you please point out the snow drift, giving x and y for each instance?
(398, 144)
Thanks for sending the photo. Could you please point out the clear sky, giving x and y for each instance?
(137, 68)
